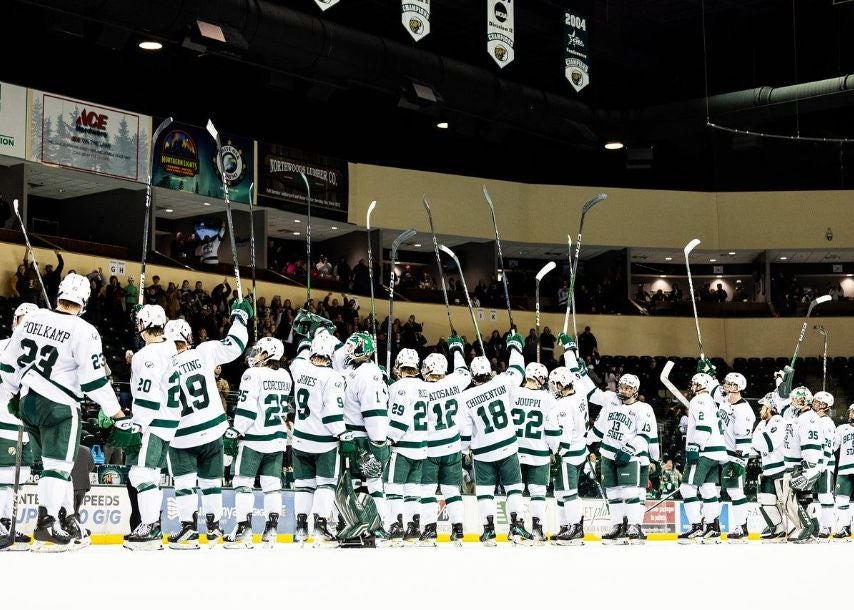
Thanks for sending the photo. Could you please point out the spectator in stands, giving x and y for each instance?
(342, 272)
(83, 465)
(131, 294)
(219, 296)
(720, 295)
(563, 297)
(52, 276)
(547, 345)
(670, 478)
(683, 422)
(407, 278)
(172, 302)
(641, 296)
(587, 343)
(114, 297)
(222, 386)
(323, 267)
(707, 295)
(658, 297)
(29, 288)
(18, 282)
(676, 293)
(361, 278)
(739, 295)
(176, 248)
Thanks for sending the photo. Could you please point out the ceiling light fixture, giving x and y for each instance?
(713, 260)
(296, 232)
(731, 253)
(334, 228)
(150, 45)
(206, 203)
(442, 125)
(168, 210)
(613, 145)
(417, 245)
(668, 258)
(784, 258)
(297, 220)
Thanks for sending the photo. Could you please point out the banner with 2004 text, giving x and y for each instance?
(576, 54)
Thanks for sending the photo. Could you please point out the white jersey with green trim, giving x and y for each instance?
(705, 428)
(8, 422)
(443, 431)
(768, 443)
(407, 425)
(738, 420)
(202, 413)
(319, 399)
(366, 402)
(486, 425)
(531, 415)
(650, 434)
(844, 442)
(619, 427)
(804, 440)
(570, 415)
(58, 356)
(262, 408)
(154, 387)
(828, 429)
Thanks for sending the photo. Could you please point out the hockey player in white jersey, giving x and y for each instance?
(767, 441)
(804, 451)
(486, 429)
(258, 441)
(196, 453)
(443, 465)
(319, 435)
(705, 451)
(738, 419)
(844, 443)
(8, 448)
(532, 406)
(407, 433)
(156, 413)
(53, 358)
(366, 416)
(822, 403)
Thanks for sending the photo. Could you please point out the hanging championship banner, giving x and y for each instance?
(325, 4)
(415, 16)
(499, 31)
(577, 68)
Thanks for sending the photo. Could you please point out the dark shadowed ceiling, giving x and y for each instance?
(341, 83)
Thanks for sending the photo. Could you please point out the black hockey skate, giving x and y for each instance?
(738, 535)
(214, 531)
(693, 533)
(428, 538)
(187, 538)
(21, 541)
(712, 533)
(457, 534)
(572, 536)
(635, 534)
(395, 532)
(554, 537)
(271, 531)
(823, 534)
(488, 535)
(241, 537)
(301, 534)
(518, 534)
(413, 531)
(80, 536)
(843, 535)
(48, 536)
(323, 538)
(146, 537)
(770, 535)
(616, 535)
(537, 534)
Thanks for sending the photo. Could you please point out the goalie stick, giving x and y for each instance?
(391, 282)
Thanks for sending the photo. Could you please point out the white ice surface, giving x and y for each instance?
(657, 575)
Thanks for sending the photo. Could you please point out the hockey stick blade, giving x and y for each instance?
(822, 299)
(160, 129)
(596, 199)
(402, 238)
(370, 210)
(665, 379)
(546, 269)
(214, 133)
(691, 245)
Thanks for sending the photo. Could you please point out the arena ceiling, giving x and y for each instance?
(342, 82)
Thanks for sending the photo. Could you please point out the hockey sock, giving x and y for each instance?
(630, 503)
(303, 496)
(638, 509)
(514, 499)
(843, 512)
(572, 510)
(711, 502)
(324, 498)
(615, 505)
(825, 510)
(185, 496)
(244, 502)
(411, 502)
(691, 502)
(211, 497)
(485, 501)
(429, 506)
(149, 498)
(272, 488)
(375, 489)
(537, 505)
(53, 484)
(453, 504)
(394, 496)
(739, 507)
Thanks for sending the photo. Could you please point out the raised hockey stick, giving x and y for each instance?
(450, 253)
(252, 262)
(822, 299)
(540, 275)
(500, 258)
(691, 245)
(9, 540)
(823, 332)
(568, 305)
(392, 280)
(439, 265)
(31, 253)
(147, 220)
(371, 279)
(307, 238)
(663, 500)
(584, 209)
(221, 163)
(665, 379)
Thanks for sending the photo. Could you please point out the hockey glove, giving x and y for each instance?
(14, 407)
(567, 342)
(784, 379)
(380, 451)
(347, 445)
(125, 435)
(134, 311)
(737, 466)
(242, 310)
(624, 455)
(704, 365)
(515, 341)
(104, 420)
(804, 479)
(455, 343)
(369, 466)
(692, 454)
(230, 441)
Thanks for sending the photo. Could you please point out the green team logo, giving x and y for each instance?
(112, 476)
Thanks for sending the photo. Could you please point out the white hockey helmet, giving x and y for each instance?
(265, 350)
(560, 380)
(632, 383)
(768, 401)
(434, 364)
(824, 400)
(851, 414)
(407, 358)
(75, 288)
(359, 347)
(178, 330)
(736, 379)
(22, 311)
(537, 372)
(150, 317)
(323, 345)
(481, 369)
(801, 397)
(700, 382)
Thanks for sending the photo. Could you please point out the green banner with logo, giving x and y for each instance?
(576, 50)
